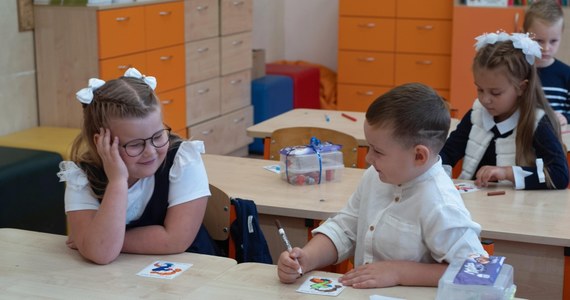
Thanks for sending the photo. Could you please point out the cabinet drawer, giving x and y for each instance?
(121, 31)
(174, 108)
(375, 8)
(203, 101)
(429, 69)
(423, 36)
(236, 91)
(366, 68)
(235, 16)
(202, 60)
(167, 65)
(372, 34)
(164, 25)
(426, 9)
(225, 134)
(201, 19)
(358, 97)
(236, 53)
(115, 67)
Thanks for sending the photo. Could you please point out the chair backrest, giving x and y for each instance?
(217, 219)
(293, 136)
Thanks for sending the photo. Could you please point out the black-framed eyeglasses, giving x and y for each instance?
(158, 139)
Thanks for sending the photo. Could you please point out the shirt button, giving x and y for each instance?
(371, 228)
(397, 199)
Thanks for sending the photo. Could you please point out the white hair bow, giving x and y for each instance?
(530, 48)
(150, 80)
(85, 95)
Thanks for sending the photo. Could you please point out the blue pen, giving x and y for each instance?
(327, 118)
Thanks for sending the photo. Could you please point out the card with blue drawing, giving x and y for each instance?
(317, 285)
(164, 269)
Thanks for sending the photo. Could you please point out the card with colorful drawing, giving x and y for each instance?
(321, 286)
(466, 187)
(164, 269)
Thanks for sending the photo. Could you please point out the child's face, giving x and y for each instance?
(393, 162)
(548, 37)
(151, 158)
(496, 93)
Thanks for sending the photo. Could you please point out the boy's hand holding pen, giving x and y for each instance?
(287, 243)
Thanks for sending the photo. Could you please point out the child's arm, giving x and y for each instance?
(454, 148)
(181, 225)
(391, 273)
(318, 252)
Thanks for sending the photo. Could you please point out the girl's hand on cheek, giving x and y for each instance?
(375, 275)
(113, 164)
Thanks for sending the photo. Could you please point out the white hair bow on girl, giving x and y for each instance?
(85, 95)
(150, 80)
(522, 41)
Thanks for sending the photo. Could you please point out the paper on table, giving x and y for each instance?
(164, 269)
(321, 286)
(273, 168)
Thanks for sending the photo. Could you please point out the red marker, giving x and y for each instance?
(353, 119)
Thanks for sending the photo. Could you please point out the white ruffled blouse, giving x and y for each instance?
(188, 181)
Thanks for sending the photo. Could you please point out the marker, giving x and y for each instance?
(353, 119)
(496, 193)
(287, 244)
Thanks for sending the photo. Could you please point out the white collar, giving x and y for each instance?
(505, 126)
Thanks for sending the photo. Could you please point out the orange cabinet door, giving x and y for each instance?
(174, 108)
(357, 97)
(423, 36)
(164, 25)
(115, 67)
(121, 31)
(372, 34)
(168, 66)
(366, 68)
(372, 8)
(432, 70)
(463, 91)
(425, 9)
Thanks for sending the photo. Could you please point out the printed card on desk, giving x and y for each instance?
(321, 286)
(466, 187)
(164, 269)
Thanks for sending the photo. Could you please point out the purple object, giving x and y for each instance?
(479, 270)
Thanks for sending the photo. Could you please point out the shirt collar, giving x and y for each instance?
(427, 174)
(505, 126)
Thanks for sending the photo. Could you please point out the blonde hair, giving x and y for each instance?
(503, 55)
(416, 114)
(548, 11)
(125, 97)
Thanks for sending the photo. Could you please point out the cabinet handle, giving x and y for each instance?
(516, 19)
(239, 120)
(123, 67)
(166, 57)
(166, 102)
(367, 93)
(203, 91)
(203, 49)
(207, 132)
(423, 62)
(202, 7)
(367, 25)
(237, 3)
(237, 43)
(164, 13)
(367, 59)
(121, 19)
(235, 81)
(425, 27)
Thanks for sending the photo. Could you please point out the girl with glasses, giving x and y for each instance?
(132, 186)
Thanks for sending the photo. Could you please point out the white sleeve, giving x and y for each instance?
(78, 195)
(188, 178)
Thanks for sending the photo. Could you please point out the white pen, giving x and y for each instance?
(287, 243)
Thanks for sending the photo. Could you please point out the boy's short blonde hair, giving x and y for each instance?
(548, 11)
(415, 112)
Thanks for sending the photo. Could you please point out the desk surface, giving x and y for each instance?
(259, 281)
(539, 217)
(39, 265)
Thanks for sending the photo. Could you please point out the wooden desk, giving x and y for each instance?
(259, 281)
(530, 228)
(39, 265)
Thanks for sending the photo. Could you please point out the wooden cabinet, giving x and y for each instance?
(463, 91)
(387, 43)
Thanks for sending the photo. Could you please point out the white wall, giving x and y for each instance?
(297, 30)
(18, 106)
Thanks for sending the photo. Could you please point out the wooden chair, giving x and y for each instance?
(293, 136)
(218, 217)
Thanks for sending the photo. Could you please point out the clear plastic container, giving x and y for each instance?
(502, 289)
(306, 169)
